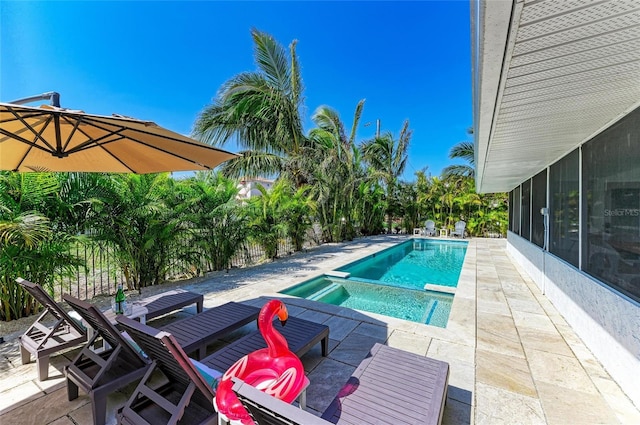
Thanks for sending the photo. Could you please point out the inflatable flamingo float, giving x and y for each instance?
(274, 370)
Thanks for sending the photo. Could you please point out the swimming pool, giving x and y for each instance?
(393, 282)
(427, 307)
(412, 264)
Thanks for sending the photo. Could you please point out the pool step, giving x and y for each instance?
(440, 288)
(324, 291)
(336, 273)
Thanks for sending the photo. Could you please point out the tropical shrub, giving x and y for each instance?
(30, 246)
(218, 224)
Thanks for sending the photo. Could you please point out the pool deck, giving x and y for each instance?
(513, 358)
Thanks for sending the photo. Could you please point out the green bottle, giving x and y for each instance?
(120, 300)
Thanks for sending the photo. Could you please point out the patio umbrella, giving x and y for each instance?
(49, 138)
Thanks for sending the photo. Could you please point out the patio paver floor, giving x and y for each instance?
(513, 358)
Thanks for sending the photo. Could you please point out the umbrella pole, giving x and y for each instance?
(52, 95)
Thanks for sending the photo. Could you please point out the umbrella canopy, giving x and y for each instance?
(48, 138)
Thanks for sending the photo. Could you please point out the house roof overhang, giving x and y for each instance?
(548, 75)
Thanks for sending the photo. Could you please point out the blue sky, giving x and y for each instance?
(164, 61)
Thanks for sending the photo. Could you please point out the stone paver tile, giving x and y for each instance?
(354, 348)
(506, 372)
(461, 377)
(20, 374)
(490, 294)
(567, 406)
(496, 341)
(558, 370)
(340, 327)
(315, 316)
(550, 342)
(625, 411)
(494, 308)
(517, 291)
(378, 332)
(463, 313)
(502, 325)
(84, 414)
(409, 342)
(19, 395)
(447, 351)
(313, 357)
(456, 412)
(466, 289)
(528, 306)
(44, 409)
(326, 381)
(582, 353)
(540, 322)
(570, 336)
(496, 406)
(51, 385)
(62, 421)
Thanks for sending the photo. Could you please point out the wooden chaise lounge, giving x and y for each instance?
(301, 335)
(121, 364)
(43, 339)
(55, 330)
(390, 386)
(100, 374)
(187, 396)
(166, 302)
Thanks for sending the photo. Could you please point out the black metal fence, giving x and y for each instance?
(102, 272)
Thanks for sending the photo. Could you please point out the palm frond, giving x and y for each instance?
(458, 171)
(271, 59)
(356, 120)
(463, 150)
(253, 163)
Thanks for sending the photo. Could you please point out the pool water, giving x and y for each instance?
(392, 282)
(412, 264)
(429, 307)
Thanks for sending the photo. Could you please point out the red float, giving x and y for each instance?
(274, 370)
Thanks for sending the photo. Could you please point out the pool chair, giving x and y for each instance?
(168, 301)
(391, 386)
(44, 338)
(101, 373)
(186, 396)
(459, 229)
(195, 378)
(429, 228)
(124, 363)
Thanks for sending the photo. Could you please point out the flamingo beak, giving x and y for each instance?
(283, 315)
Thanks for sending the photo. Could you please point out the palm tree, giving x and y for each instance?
(465, 151)
(337, 171)
(261, 111)
(388, 158)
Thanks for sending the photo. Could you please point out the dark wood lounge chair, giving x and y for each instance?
(43, 339)
(100, 374)
(196, 332)
(166, 302)
(161, 405)
(121, 367)
(390, 386)
(186, 398)
(301, 335)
